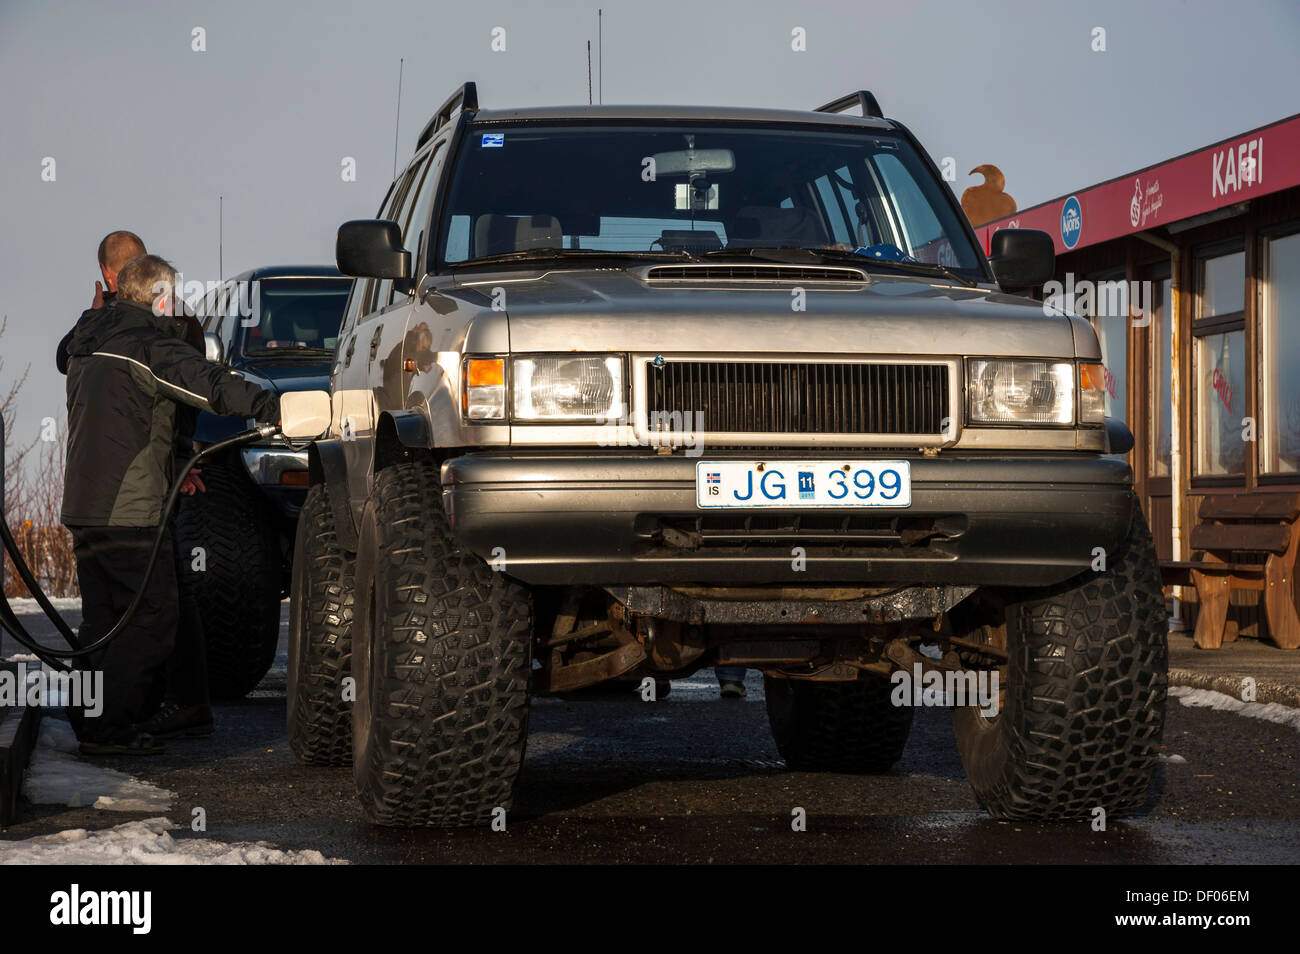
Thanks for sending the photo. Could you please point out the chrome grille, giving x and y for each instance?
(753, 397)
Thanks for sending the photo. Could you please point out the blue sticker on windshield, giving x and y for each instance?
(493, 140)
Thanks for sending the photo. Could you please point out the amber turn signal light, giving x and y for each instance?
(486, 372)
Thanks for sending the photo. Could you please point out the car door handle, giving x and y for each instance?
(352, 346)
(374, 342)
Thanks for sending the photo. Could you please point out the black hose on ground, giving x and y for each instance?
(9, 621)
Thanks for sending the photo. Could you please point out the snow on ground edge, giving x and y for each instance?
(1265, 711)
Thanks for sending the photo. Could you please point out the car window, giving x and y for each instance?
(923, 234)
(841, 229)
(296, 316)
(698, 188)
(406, 199)
(205, 309)
(413, 232)
(240, 304)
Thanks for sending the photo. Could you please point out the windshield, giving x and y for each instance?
(297, 314)
(694, 190)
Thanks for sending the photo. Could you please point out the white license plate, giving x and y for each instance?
(794, 484)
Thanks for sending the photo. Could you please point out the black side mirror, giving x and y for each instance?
(1022, 258)
(372, 248)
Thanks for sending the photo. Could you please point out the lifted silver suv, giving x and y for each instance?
(624, 392)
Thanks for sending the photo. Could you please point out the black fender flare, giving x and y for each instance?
(1119, 439)
(398, 434)
(326, 465)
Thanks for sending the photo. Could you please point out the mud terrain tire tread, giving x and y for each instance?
(848, 727)
(446, 678)
(320, 639)
(238, 592)
(1086, 696)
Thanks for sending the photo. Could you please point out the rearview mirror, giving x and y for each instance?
(213, 349)
(371, 248)
(1021, 258)
(304, 414)
(692, 161)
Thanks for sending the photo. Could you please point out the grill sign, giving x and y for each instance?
(1071, 222)
(1215, 177)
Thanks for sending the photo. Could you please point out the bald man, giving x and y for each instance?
(115, 250)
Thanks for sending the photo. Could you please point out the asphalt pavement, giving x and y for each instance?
(696, 778)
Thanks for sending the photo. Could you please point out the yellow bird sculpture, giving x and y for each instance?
(986, 201)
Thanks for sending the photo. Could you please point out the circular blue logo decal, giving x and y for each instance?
(1071, 222)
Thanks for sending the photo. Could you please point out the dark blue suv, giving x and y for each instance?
(277, 327)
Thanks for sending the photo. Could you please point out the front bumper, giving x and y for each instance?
(281, 474)
(606, 520)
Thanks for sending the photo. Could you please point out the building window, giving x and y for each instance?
(1162, 349)
(1280, 355)
(1219, 365)
(1221, 379)
(1223, 285)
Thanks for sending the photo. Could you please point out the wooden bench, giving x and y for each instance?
(1229, 527)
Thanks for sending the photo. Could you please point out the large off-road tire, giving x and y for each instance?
(238, 589)
(320, 638)
(1085, 700)
(442, 660)
(836, 726)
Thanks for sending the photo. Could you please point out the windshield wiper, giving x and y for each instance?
(802, 255)
(569, 254)
(287, 351)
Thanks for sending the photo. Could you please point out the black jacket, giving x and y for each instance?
(64, 349)
(128, 370)
(186, 417)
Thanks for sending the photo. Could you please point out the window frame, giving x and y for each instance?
(1263, 313)
(1158, 275)
(1201, 327)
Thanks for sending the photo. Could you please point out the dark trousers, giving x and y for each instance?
(187, 668)
(111, 563)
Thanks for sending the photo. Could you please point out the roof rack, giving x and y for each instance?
(863, 98)
(465, 98)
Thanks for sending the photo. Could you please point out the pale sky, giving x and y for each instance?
(146, 133)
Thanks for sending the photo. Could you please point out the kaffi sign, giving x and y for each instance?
(1253, 164)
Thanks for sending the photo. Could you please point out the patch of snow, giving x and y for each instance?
(1208, 698)
(148, 842)
(59, 776)
(27, 606)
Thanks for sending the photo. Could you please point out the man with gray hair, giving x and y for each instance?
(129, 370)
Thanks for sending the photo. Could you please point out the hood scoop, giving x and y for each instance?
(755, 273)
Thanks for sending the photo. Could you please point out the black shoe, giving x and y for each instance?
(128, 742)
(174, 719)
(732, 689)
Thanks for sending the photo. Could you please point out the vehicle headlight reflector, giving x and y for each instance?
(568, 388)
(484, 398)
(1014, 391)
(1092, 394)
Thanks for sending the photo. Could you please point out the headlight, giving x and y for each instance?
(568, 388)
(1011, 391)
